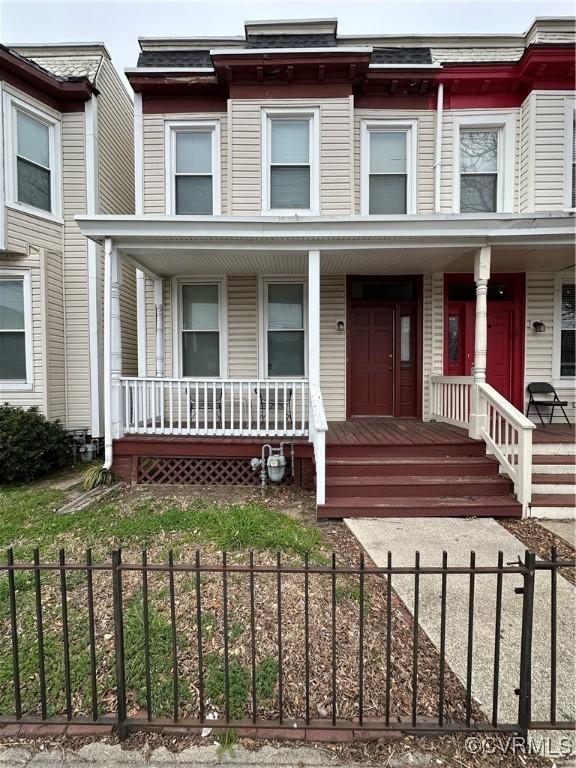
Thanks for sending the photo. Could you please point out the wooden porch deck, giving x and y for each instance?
(392, 431)
(554, 433)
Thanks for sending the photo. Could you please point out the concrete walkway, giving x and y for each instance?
(457, 537)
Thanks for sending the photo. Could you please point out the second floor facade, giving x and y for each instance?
(293, 119)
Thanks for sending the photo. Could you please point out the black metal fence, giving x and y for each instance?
(231, 644)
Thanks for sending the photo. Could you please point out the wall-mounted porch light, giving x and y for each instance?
(339, 325)
(539, 326)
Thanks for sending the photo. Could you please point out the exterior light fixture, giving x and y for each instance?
(339, 325)
(539, 326)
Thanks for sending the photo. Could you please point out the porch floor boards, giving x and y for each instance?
(554, 433)
(390, 432)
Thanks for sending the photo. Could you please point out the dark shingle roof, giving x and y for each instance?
(192, 59)
(401, 56)
(291, 41)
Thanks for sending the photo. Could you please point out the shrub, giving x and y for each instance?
(30, 445)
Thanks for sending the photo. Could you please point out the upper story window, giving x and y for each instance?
(290, 162)
(33, 174)
(388, 167)
(570, 155)
(193, 168)
(15, 331)
(479, 170)
(484, 163)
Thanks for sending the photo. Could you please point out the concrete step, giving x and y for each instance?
(396, 466)
(415, 485)
(420, 506)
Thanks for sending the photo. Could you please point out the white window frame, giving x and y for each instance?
(569, 114)
(558, 380)
(263, 314)
(13, 105)
(16, 385)
(410, 128)
(177, 283)
(171, 128)
(505, 124)
(293, 113)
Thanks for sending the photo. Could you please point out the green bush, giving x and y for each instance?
(30, 445)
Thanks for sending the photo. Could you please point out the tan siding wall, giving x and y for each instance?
(333, 346)
(539, 346)
(154, 161)
(548, 151)
(425, 152)
(37, 395)
(129, 321)
(432, 333)
(526, 159)
(336, 153)
(55, 337)
(75, 271)
(243, 327)
(24, 229)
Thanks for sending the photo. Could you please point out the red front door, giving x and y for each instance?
(371, 367)
(505, 320)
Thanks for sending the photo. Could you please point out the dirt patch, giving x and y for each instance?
(541, 541)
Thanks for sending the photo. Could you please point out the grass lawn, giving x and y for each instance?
(182, 521)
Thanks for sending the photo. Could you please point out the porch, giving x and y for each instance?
(247, 389)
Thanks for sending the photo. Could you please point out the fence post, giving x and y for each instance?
(525, 689)
(119, 645)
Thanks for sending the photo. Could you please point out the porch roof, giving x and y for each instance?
(171, 245)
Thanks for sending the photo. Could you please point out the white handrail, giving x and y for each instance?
(318, 429)
(215, 407)
(508, 436)
(450, 399)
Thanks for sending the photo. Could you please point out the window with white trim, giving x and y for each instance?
(570, 156)
(479, 170)
(285, 329)
(566, 314)
(484, 152)
(290, 162)
(15, 332)
(193, 183)
(388, 163)
(200, 329)
(33, 173)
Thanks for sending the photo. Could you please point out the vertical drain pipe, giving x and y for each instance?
(438, 146)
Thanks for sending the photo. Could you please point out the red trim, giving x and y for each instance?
(42, 85)
(518, 305)
(418, 283)
(39, 93)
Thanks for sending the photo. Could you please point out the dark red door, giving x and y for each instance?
(500, 347)
(371, 362)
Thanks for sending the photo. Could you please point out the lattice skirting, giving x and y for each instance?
(200, 471)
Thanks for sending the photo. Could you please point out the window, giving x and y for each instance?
(290, 162)
(478, 171)
(33, 159)
(193, 184)
(285, 329)
(15, 364)
(388, 152)
(570, 155)
(566, 294)
(484, 163)
(200, 330)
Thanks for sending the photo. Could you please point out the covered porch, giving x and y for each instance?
(243, 257)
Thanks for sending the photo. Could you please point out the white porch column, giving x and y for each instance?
(112, 349)
(317, 436)
(141, 321)
(160, 347)
(481, 276)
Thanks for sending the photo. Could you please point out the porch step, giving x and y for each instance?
(394, 466)
(554, 465)
(408, 451)
(567, 500)
(553, 449)
(415, 485)
(420, 506)
(553, 483)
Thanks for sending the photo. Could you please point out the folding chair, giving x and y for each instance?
(543, 388)
(204, 405)
(276, 403)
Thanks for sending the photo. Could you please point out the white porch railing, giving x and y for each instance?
(505, 430)
(318, 429)
(508, 436)
(450, 399)
(218, 407)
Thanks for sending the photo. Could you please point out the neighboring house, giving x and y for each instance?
(67, 148)
(331, 229)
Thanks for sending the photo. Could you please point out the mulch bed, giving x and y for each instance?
(540, 540)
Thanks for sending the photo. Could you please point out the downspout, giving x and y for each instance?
(108, 353)
(139, 209)
(93, 267)
(438, 146)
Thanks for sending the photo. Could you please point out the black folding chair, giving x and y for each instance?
(276, 403)
(543, 388)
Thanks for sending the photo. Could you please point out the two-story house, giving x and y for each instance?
(360, 246)
(66, 140)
